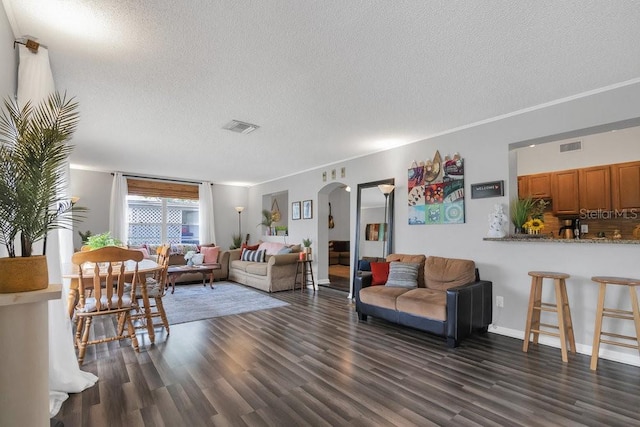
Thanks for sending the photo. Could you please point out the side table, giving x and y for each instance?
(305, 270)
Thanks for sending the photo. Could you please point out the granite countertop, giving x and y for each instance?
(534, 238)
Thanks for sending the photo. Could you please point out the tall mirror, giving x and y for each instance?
(374, 221)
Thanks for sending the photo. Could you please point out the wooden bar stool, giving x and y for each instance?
(634, 315)
(561, 307)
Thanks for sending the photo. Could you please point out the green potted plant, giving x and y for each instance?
(34, 146)
(237, 241)
(85, 236)
(267, 220)
(520, 211)
(306, 247)
(101, 240)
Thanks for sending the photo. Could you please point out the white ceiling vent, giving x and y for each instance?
(240, 127)
(571, 146)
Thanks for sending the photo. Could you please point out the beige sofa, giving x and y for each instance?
(222, 274)
(277, 273)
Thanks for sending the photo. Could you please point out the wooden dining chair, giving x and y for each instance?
(105, 270)
(156, 288)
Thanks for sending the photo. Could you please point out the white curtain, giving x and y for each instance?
(207, 228)
(35, 83)
(118, 212)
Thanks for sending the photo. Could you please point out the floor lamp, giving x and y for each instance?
(386, 189)
(239, 209)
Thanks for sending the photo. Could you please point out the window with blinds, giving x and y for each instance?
(162, 212)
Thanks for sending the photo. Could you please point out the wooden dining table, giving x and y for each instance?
(145, 267)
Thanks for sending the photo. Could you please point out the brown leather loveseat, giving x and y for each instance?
(448, 299)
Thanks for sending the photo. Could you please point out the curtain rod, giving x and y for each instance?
(32, 45)
(155, 178)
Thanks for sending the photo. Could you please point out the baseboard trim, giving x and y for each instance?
(616, 356)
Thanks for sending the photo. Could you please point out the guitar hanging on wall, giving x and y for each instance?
(331, 224)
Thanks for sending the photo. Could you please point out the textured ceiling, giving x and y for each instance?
(324, 80)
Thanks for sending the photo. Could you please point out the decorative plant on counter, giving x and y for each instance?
(101, 240)
(267, 219)
(535, 224)
(34, 148)
(520, 211)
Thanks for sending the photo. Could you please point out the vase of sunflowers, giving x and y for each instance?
(527, 215)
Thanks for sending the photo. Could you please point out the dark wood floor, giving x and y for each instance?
(313, 363)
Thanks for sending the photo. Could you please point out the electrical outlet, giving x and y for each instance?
(499, 301)
(584, 228)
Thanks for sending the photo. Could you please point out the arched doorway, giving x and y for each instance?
(333, 268)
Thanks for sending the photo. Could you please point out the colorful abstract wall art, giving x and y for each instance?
(436, 191)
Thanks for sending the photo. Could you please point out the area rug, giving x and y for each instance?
(197, 302)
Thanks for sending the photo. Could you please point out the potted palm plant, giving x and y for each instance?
(267, 220)
(34, 146)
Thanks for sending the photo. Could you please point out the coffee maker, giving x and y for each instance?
(566, 231)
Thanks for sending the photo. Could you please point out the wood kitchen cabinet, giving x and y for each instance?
(625, 185)
(537, 186)
(595, 188)
(564, 192)
(523, 187)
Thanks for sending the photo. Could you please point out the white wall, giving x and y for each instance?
(485, 149)
(340, 207)
(94, 190)
(597, 149)
(225, 199)
(8, 65)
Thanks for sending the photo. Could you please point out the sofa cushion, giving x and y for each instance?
(444, 273)
(144, 251)
(344, 258)
(198, 259)
(257, 268)
(334, 258)
(253, 256)
(424, 302)
(210, 254)
(403, 274)
(381, 296)
(296, 248)
(380, 273)
(250, 247)
(240, 265)
(271, 248)
(411, 258)
(364, 265)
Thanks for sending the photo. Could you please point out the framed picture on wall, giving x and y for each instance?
(295, 210)
(307, 209)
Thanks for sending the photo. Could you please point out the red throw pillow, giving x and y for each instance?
(250, 247)
(380, 273)
(210, 254)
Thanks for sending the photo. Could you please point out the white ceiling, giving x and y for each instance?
(325, 80)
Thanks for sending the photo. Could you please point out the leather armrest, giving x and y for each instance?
(469, 307)
(361, 281)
